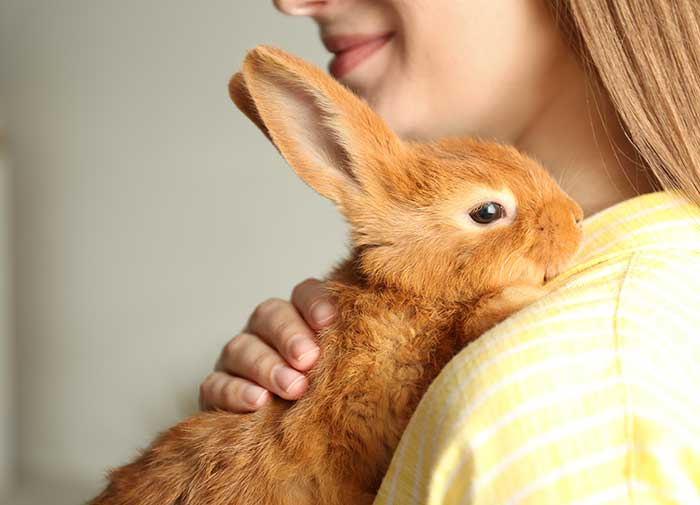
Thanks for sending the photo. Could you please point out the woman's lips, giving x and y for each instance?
(351, 50)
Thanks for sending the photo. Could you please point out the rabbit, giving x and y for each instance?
(448, 238)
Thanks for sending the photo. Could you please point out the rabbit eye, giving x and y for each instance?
(488, 213)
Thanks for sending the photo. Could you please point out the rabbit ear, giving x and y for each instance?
(238, 90)
(330, 137)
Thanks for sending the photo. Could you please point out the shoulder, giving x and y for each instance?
(646, 301)
(587, 393)
(575, 315)
(660, 287)
(640, 290)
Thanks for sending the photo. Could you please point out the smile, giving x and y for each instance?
(351, 50)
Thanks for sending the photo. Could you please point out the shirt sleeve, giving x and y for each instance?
(561, 403)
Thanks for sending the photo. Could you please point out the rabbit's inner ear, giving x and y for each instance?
(321, 137)
(304, 127)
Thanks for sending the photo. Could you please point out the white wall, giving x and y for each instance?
(150, 215)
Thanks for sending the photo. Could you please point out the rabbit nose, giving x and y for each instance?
(556, 222)
(300, 7)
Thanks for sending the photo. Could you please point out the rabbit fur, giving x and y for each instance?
(422, 281)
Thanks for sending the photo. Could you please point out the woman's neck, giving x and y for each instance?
(580, 140)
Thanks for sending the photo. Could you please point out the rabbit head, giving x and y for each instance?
(449, 219)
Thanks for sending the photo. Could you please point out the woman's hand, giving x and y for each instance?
(270, 353)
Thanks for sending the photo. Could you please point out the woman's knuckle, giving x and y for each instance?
(203, 392)
(303, 285)
(257, 367)
(207, 380)
(269, 306)
(285, 330)
(261, 366)
(233, 346)
(230, 393)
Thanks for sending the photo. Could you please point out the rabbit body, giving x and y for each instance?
(334, 445)
(425, 277)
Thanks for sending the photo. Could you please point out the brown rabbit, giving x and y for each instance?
(448, 239)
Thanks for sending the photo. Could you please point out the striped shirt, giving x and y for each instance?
(589, 396)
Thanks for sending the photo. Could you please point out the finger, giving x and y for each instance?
(313, 302)
(222, 391)
(279, 324)
(247, 356)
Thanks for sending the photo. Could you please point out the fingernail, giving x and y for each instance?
(254, 395)
(302, 346)
(286, 378)
(322, 312)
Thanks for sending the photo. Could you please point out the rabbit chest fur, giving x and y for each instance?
(334, 445)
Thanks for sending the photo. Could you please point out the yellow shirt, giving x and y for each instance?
(589, 396)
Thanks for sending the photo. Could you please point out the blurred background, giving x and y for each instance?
(142, 218)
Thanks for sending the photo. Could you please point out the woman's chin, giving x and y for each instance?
(366, 78)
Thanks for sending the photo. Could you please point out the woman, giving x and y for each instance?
(586, 395)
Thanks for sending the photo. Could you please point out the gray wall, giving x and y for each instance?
(150, 216)
(7, 375)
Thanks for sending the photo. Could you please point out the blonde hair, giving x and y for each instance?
(646, 53)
